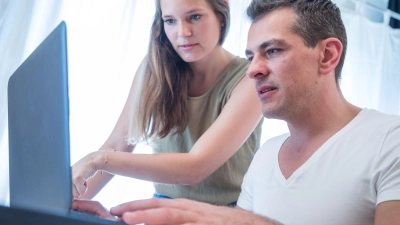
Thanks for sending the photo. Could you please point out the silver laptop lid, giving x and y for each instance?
(38, 121)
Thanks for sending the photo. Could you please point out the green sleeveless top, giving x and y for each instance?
(224, 185)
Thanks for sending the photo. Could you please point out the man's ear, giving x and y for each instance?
(331, 51)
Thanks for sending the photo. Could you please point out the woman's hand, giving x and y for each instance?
(84, 169)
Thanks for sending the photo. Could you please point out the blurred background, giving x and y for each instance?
(107, 40)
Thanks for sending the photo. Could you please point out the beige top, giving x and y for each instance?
(223, 186)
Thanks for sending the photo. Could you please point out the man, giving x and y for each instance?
(339, 165)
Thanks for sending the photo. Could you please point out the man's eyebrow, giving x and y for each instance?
(266, 44)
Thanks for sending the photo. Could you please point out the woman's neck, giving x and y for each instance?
(206, 72)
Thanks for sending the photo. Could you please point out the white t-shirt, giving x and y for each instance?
(341, 183)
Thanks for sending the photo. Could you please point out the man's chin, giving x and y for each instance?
(271, 114)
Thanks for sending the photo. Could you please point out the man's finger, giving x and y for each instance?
(158, 216)
(91, 207)
(147, 204)
(83, 205)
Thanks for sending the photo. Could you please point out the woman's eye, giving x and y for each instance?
(195, 17)
(169, 21)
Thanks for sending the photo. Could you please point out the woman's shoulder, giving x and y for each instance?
(235, 72)
(239, 63)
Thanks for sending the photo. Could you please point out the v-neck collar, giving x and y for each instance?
(316, 155)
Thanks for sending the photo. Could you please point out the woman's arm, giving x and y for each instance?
(116, 140)
(233, 126)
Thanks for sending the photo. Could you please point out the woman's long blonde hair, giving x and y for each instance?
(162, 102)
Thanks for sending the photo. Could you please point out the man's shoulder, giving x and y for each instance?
(379, 114)
(372, 116)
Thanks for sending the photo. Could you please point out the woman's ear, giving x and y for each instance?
(227, 3)
(331, 51)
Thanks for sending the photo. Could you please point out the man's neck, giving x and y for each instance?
(326, 121)
(311, 130)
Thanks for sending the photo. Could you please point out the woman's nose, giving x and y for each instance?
(184, 30)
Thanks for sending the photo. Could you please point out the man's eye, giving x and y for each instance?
(249, 59)
(272, 52)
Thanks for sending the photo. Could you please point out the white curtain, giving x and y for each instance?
(371, 74)
(23, 25)
(107, 40)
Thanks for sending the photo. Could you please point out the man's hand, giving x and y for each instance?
(183, 211)
(92, 207)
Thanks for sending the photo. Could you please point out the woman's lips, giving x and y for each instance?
(187, 47)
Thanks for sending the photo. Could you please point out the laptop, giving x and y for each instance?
(38, 122)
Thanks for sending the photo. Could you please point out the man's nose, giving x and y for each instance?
(258, 68)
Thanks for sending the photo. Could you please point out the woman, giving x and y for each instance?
(192, 101)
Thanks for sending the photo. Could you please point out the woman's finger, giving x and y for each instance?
(80, 187)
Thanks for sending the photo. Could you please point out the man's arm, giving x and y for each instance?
(388, 168)
(183, 211)
(388, 213)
